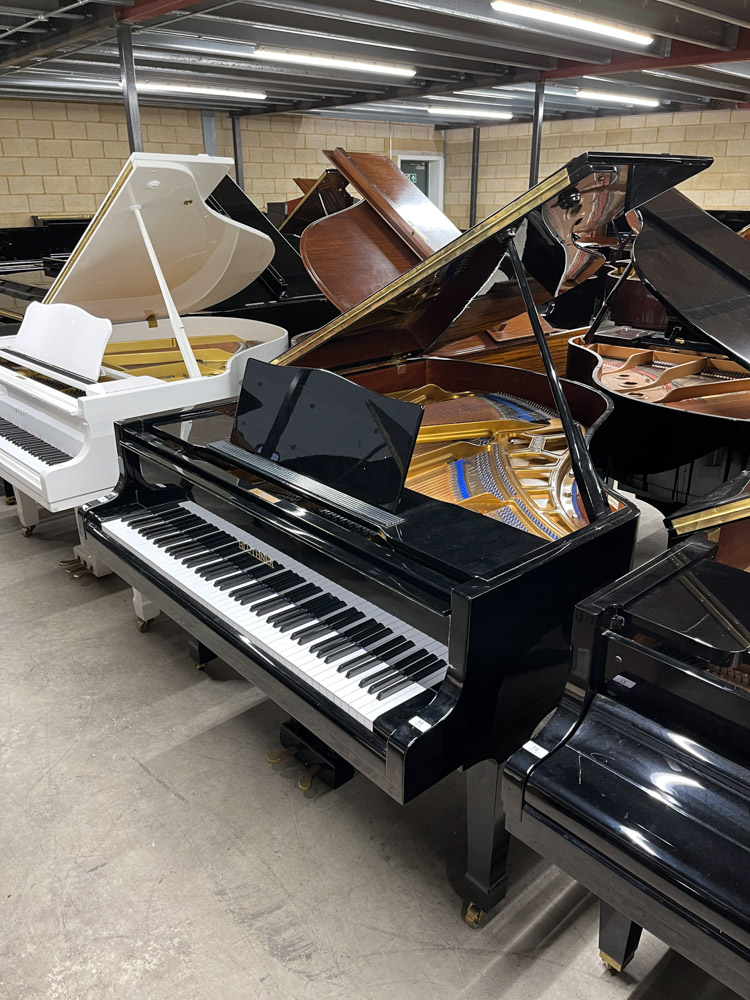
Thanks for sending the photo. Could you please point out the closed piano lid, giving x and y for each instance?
(699, 269)
(205, 256)
(466, 287)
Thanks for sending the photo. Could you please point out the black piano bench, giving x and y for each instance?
(320, 759)
(618, 937)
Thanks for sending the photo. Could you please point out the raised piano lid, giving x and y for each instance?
(387, 190)
(462, 286)
(204, 256)
(699, 269)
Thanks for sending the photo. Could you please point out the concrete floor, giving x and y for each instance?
(149, 852)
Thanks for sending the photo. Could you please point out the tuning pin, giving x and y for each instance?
(278, 755)
(305, 782)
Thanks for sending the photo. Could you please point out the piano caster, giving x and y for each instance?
(28, 531)
(10, 501)
(201, 654)
(619, 938)
(143, 624)
(474, 916)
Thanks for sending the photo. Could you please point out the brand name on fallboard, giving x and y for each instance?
(256, 553)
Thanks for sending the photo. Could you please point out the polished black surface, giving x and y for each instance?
(319, 424)
(699, 269)
(640, 783)
(469, 284)
(284, 293)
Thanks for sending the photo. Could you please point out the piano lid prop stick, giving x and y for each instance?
(174, 317)
(604, 308)
(592, 494)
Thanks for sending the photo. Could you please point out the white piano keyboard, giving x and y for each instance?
(352, 652)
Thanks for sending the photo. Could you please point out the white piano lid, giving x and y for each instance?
(64, 337)
(205, 257)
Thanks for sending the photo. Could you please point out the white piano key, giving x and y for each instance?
(327, 679)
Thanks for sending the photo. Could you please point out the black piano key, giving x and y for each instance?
(305, 635)
(393, 648)
(386, 677)
(349, 636)
(357, 637)
(302, 608)
(268, 605)
(240, 561)
(421, 674)
(329, 645)
(177, 550)
(337, 623)
(309, 612)
(301, 593)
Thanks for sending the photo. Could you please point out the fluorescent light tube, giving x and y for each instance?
(595, 96)
(185, 88)
(573, 21)
(452, 111)
(331, 62)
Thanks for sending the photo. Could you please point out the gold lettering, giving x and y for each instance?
(256, 553)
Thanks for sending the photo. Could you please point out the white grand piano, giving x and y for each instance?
(111, 340)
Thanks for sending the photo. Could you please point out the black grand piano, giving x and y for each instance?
(679, 379)
(283, 294)
(639, 786)
(392, 551)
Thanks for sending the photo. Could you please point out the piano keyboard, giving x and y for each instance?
(32, 445)
(352, 652)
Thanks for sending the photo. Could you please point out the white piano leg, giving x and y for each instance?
(28, 512)
(145, 610)
(89, 561)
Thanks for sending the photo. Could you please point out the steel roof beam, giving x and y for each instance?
(365, 21)
(423, 58)
(74, 34)
(732, 11)
(309, 27)
(479, 11)
(650, 16)
(681, 55)
(658, 80)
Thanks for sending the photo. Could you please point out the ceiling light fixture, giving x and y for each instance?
(595, 96)
(459, 112)
(551, 16)
(331, 62)
(185, 88)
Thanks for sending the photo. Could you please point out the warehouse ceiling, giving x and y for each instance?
(448, 63)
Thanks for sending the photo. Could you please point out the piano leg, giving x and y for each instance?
(201, 655)
(145, 610)
(28, 512)
(618, 937)
(487, 841)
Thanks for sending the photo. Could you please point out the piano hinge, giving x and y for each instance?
(152, 321)
(399, 361)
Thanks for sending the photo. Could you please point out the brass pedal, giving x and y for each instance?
(74, 567)
(278, 755)
(305, 782)
(69, 562)
(81, 572)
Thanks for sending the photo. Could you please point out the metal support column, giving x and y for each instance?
(208, 121)
(239, 170)
(127, 82)
(536, 133)
(474, 176)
